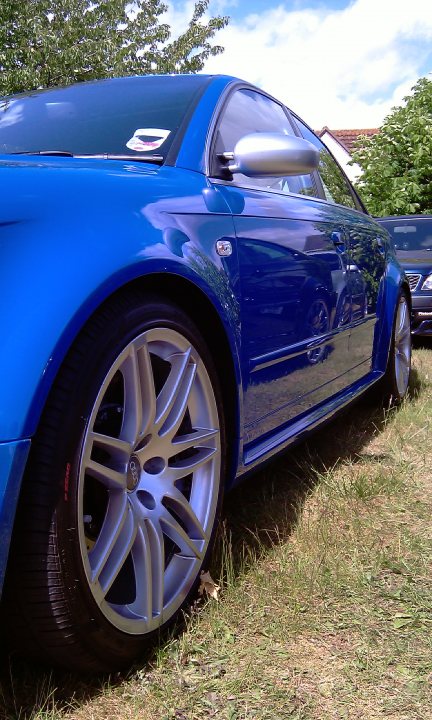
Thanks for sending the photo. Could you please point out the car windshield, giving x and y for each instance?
(123, 116)
(411, 236)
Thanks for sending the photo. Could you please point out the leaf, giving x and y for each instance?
(395, 162)
(403, 670)
(401, 620)
(58, 42)
(208, 585)
(400, 623)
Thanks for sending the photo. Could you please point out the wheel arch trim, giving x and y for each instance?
(396, 281)
(13, 458)
(183, 278)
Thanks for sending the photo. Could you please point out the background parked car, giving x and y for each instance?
(412, 237)
(188, 285)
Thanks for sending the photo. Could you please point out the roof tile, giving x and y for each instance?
(347, 138)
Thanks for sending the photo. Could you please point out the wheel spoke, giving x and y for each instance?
(403, 359)
(402, 324)
(189, 547)
(118, 449)
(397, 374)
(148, 561)
(176, 501)
(192, 440)
(185, 466)
(402, 347)
(110, 478)
(403, 335)
(173, 399)
(114, 542)
(140, 398)
(143, 535)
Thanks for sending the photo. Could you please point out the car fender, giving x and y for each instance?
(86, 249)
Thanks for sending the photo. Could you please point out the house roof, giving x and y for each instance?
(347, 138)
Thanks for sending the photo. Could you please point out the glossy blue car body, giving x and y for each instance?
(74, 231)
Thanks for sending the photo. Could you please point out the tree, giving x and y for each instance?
(44, 43)
(397, 162)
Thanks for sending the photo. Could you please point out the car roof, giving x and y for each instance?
(194, 79)
(397, 218)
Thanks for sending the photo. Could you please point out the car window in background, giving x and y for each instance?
(249, 112)
(336, 187)
(137, 115)
(410, 235)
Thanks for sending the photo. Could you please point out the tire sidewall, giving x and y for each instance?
(391, 390)
(113, 647)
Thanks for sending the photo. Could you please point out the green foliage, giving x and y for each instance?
(335, 187)
(44, 43)
(397, 162)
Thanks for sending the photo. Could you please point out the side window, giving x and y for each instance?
(336, 187)
(248, 112)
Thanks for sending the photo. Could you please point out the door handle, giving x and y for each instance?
(337, 238)
(381, 246)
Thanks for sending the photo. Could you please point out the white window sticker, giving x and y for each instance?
(145, 139)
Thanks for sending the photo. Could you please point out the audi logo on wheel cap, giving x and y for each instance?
(134, 472)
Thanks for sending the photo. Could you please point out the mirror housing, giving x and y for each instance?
(272, 155)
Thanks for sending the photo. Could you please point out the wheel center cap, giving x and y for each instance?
(133, 473)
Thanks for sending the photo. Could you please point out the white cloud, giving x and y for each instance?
(343, 68)
(177, 16)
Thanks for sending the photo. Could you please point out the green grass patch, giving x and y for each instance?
(324, 559)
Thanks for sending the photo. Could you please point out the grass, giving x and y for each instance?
(325, 562)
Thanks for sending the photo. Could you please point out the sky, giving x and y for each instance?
(339, 63)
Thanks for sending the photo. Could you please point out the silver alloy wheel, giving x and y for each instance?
(402, 346)
(149, 481)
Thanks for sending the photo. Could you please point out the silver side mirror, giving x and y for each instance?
(272, 155)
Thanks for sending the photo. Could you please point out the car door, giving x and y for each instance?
(293, 277)
(366, 254)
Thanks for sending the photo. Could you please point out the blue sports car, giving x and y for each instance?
(189, 284)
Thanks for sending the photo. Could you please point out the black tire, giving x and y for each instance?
(317, 322)
(395, 383)
(93, 520)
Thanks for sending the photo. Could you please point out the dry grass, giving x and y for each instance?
(325, 562)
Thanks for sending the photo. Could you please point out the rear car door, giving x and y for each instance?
(365, 249)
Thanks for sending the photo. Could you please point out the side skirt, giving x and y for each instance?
(300, 428)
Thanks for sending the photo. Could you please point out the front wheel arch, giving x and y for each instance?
(50, 576)
(396, 378)
(217, 319)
